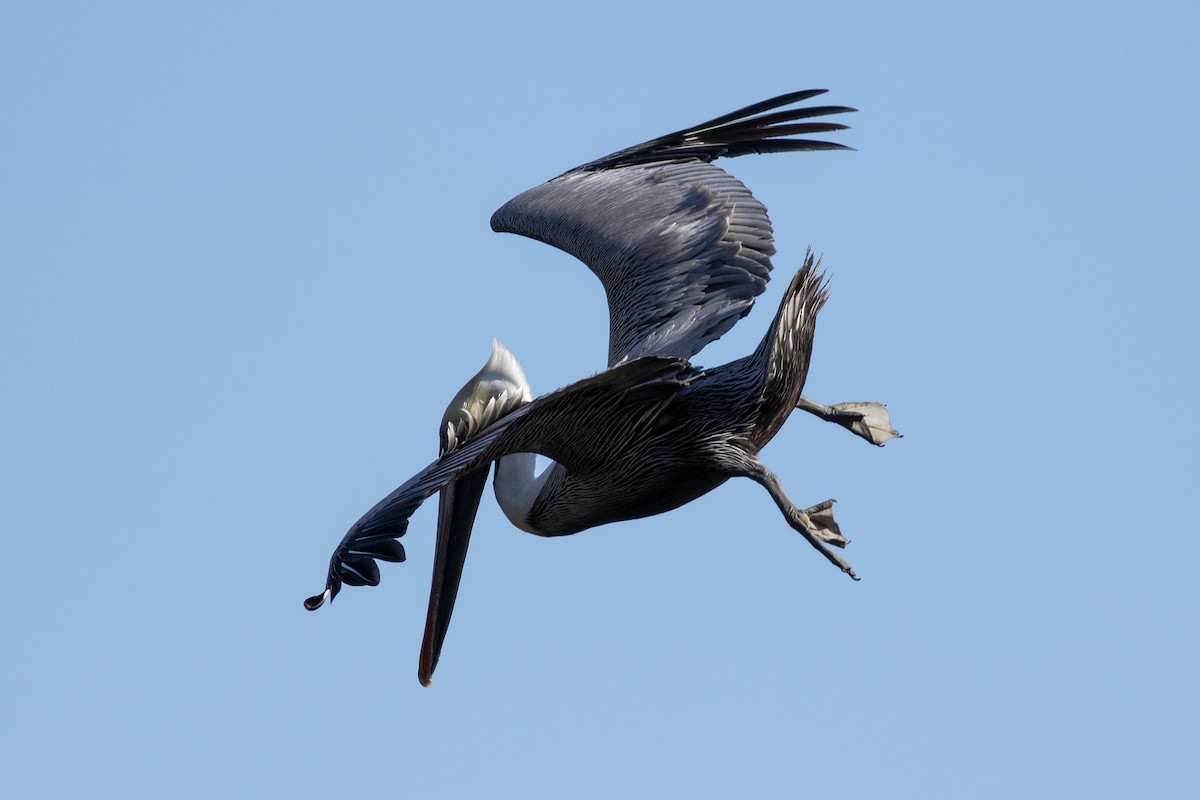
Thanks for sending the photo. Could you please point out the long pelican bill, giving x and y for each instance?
(458, 503)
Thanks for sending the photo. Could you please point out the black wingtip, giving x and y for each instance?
(316, 601)
(756, 128)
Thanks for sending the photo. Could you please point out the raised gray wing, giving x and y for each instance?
(611, 406)
(681, 247)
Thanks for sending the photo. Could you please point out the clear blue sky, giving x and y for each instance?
(245, 262)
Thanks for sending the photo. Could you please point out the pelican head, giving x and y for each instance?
(494, 391)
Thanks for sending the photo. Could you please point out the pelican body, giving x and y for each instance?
(716, 423)
(682, 249)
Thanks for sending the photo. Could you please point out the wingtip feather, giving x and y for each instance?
(316, 601)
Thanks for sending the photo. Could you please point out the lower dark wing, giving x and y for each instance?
(571, 426)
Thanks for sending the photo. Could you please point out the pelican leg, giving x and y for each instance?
(815, 523)
(871, 421)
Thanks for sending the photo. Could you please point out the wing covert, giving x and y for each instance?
(682, 249)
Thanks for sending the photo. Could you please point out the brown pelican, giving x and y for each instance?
(682, 249)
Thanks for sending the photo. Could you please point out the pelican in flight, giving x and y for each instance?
(682, 249)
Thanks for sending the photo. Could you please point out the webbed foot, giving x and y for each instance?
(822, 524)
(871, 421)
